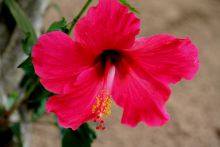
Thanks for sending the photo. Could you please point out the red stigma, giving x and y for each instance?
(101, 122)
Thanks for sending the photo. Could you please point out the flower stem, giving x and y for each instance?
(22, 100)
(75, 19)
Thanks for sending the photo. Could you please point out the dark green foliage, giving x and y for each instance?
(125, 2)
(59, 26)
(23, 22)
(40, 110)
(83, 137)
(37, 101)
(16, 129)
(27, 66)
(27, 43)
(30, 77)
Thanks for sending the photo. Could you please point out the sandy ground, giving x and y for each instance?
(194, 105)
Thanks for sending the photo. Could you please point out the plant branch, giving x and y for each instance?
(75, 19)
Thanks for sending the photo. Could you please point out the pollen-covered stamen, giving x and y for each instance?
(102, 108)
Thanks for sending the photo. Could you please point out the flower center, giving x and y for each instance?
(112, 56)
(102, 108)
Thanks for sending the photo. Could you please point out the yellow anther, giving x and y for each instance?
(102, 108)
(103, 104)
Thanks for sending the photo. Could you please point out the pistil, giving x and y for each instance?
(102, 108)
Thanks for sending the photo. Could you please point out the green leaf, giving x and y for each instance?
(22, 21)
(27, 43)
(83, 137)
(27, 66)
(37, 96)
(16, 129)
(58, 26)
(40, 110)
(125, 2)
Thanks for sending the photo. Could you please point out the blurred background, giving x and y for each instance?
(194, 105)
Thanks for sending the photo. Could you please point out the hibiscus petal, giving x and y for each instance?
(109, 25)
(75, 108)
(142, 98)
(57, 60)
(166, 57)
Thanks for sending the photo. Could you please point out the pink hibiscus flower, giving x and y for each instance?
(104, 61)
